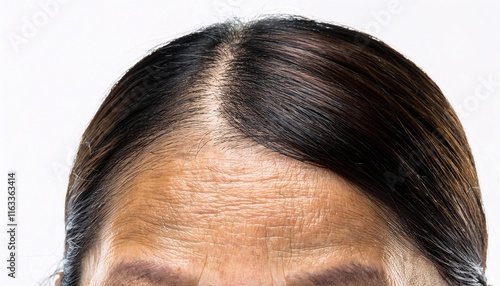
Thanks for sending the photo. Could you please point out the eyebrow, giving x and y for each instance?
(150, 273)
(146, 272)
(352, 274)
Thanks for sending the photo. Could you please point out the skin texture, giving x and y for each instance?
(218, 215)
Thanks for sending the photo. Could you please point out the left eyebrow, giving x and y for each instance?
(352, 274)
(150, 273)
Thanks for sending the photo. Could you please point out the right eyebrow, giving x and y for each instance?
(352, 274)
(146, 272)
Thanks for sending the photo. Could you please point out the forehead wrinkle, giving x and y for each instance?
(304, 229)
(301, 199)
(183, 186)
(284, 209)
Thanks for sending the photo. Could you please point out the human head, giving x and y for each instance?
(326, 120)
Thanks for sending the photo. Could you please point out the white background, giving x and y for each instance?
(58, 61)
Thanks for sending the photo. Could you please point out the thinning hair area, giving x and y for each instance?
(319, 93)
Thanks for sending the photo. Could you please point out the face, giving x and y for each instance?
(245, 216)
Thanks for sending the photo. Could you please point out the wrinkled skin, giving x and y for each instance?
(245, 216)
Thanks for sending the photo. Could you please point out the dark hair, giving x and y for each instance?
(319, 93)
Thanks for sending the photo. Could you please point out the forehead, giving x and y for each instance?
(215, 206)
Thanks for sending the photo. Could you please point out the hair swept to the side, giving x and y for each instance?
(317, 92)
